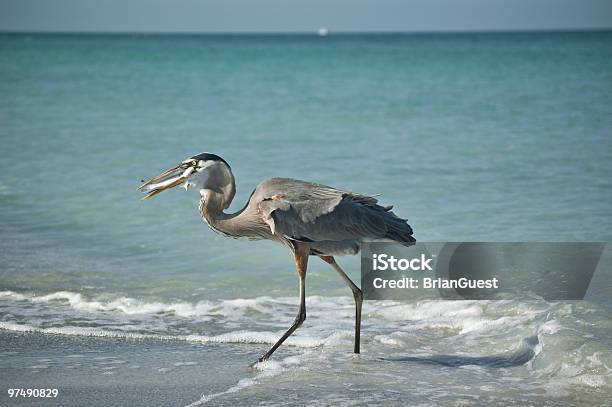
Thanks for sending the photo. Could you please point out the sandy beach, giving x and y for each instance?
(115, 372)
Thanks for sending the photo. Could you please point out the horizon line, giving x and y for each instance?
(313, 32)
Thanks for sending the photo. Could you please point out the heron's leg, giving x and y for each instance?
(301, 262)
(357, 294)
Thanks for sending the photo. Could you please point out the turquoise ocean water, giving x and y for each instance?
(483, 137)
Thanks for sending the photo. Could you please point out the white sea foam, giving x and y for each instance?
(426, 310)
(329, 313)
(480, 328)
(265, 370)
(230, 337)
(125, 305)
(111, 324)
(12, 295)
(387, 340)
(132, 306)
(492, 327)
(550, 327)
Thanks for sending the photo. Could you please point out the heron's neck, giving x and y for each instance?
(243, 223)
(212, 206)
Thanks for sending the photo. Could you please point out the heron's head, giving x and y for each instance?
(204, 171)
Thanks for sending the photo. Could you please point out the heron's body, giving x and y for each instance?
(329, 221)
(310, 219)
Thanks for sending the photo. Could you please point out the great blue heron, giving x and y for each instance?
(310, 219)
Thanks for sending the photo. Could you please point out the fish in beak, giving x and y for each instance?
(168, 179)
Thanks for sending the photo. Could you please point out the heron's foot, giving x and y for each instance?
(254, 364)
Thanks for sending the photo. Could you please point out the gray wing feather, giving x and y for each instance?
(311, 212)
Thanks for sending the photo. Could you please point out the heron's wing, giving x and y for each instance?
(297, 201)
(310, 212)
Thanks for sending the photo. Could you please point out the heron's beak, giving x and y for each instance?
(168, 179)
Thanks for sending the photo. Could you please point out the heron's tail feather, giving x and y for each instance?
(405, 240)
(398, 229)
(402, 235)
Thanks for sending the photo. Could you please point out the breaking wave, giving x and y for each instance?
(548, 341)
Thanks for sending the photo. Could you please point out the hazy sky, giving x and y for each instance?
(306, 15)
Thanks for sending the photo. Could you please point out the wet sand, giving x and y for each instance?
(116, 372)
